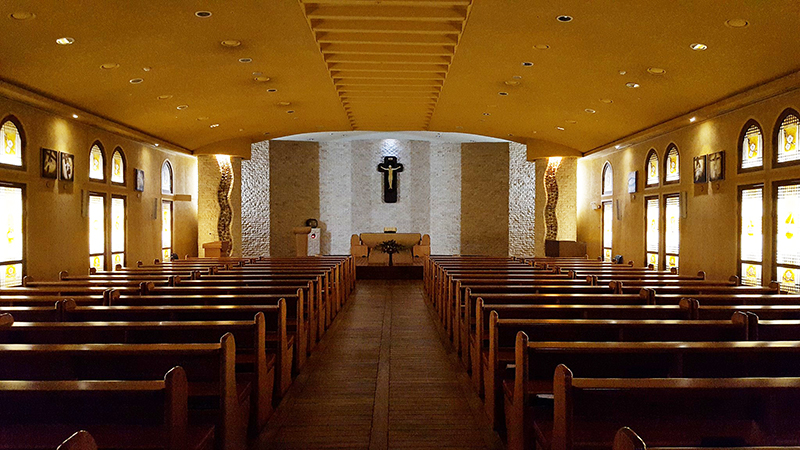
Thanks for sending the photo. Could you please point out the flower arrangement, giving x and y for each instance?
(390, 247)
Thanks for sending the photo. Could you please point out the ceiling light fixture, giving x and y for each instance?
(202, 118)
(291, 111)
(560, 128)
(272, 90)
(607, 101)
(22, 15)
(146, 69)
(213, 125)
(109, 66)
(156, 144)
(617, 146)
(231, 43)
(656, 71)
(632, 85)
(203, 14)
(564, 18)
(261, 79)
(164, 97)
(502, 93)
(698, 47)
(74, 116)
(737, 23)
(571, 122)
(541, 46)
(516, 77)
(527, 64)
(245, 60)
(590, 111)
(622, 72)
(693, 119)
(65, 41)
(135, 80)
(284, 103)
(487, 114)
(511, 83)
(182, 107)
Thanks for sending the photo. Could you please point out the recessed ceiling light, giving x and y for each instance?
(527, 64)
(698, 47)
(656, 71)
(182, 107)
(65, 41)
(502, 93)
(541, 46)
(737, 23)
(213, 125)
(241, 129)
(261, 79)
(632, 85)
(109, 66)
(512, 83)
(156, 144)
(231, 43)
(291, 111)
(622, 72)
(22, 15)
(607, 101)
(693, 119)
(202, 118)
(564, 18)
(272, 90)
(516, 77)
(135, 80)
(560, 128)
(74, 116)
(245, 60)
(487, 114)
(572, 122)
(590, 111)
(203, 14)
(164, 97)
(147, 69)
(284, 103)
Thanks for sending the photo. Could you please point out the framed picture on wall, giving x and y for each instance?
(138, 183)
(699, 172)
(49, 163)
(632, 179)
(67, 166)
(716, 166)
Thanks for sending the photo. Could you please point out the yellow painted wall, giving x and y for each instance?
(56, 233)
(709, 234)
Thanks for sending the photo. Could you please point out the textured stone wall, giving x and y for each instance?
(445, 201)
(521, 201)
(484, 199)
(236, 207)
(335, 197)
(567, 201)
(255, 223)
(294, 191)
(551, 191)
(207, 205)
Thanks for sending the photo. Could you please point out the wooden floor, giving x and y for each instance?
(381, 378)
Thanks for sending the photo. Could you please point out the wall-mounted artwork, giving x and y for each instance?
(699, 172)
(632, 179)
(49, 163)
(67, 166)
(139, 180)
(716, 166)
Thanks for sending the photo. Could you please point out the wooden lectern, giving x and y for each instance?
(216, 249)
(301, 240)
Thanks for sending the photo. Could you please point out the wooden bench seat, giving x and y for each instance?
(627, 439)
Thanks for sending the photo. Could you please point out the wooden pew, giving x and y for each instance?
(627, 439)
(38, 414)
(81, 440)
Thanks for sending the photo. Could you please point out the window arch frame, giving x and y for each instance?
(23, 139)
(103, 168)
(670, 147)
(776, 131)
(124, 181)
(742, 134)
(647, 159)
(603, 192)
(168, 165)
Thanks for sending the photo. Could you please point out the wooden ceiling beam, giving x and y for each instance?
(386, 26)
(387, 59)
(366, 67)
(441, 40)
(380, 12)
(386, 76)
(414, 3)
(372, 49)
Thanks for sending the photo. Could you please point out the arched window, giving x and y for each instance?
(118, 166)
(608, 179)
(166, 178)
(652, 169)
(13, 143)
(751, 147)
(786, 148)
(672, 165)
(97, 163)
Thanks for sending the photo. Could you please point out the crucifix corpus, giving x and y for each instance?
(390, 168)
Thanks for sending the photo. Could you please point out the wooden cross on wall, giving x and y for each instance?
(390, 168)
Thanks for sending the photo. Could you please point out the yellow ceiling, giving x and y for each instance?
(410, 65)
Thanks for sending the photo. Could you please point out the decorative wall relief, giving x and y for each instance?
(223, 198)
(551, 188)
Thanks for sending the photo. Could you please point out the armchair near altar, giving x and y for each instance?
(414, 245)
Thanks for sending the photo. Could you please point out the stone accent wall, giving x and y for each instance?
(567, 200)
(484, 199)
(551, 190)
(255, 202)
(521, 201)
(224, 202)
(445, 201)
(207, 205)
(294, 191)
(335, 197)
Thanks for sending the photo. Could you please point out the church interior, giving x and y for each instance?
(399, 224)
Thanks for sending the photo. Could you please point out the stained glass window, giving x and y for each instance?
(166, 230)
(117, 231)
(97, 231)
(11, 245)
(117, 167)
(96, 171)
(652, 237)
(608, 179)
(672, 231)
(751, 235)
(166, 178)
(752, 151)
(12, 145)
(652, 168)
(608, 220)
(673, 168)
(787, 140)
(787, 239)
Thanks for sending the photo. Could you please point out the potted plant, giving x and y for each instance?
(390, 247)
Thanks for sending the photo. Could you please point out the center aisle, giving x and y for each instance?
(381, 378)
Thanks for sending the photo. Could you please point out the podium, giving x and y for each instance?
(306, 241)
(216, 249)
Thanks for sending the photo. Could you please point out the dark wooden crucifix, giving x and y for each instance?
(390, 169)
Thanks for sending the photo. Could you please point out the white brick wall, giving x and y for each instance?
(521, 201)
(445, 198)
(255, 201)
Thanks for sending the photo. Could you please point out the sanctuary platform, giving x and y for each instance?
(365, 271)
